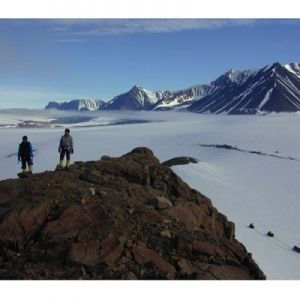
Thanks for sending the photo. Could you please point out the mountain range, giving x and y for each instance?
(77, 104)
(273, 88)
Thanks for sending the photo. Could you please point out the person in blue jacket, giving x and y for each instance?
(25, 154)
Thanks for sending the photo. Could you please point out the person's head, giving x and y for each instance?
(24, 138)
(67, 131)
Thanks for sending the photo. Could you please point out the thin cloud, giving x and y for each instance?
(100, 27)
(70, 40)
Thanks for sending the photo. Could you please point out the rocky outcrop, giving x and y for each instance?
(116, 218)
(182, 160)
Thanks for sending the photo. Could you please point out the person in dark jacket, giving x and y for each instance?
(25, 154)
(66, 148)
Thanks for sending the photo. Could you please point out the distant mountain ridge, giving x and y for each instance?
(76, 105)
(273, 88)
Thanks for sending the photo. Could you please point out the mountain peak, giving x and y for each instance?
(276, 66)
(138, 90)
(273, 66)
(137, 87)
(233, 76)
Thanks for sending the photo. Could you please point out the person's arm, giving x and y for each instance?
(60, 143)
(19, 153)
(72, 145)
(30, 150)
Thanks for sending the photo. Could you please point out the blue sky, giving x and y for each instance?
(53, 59)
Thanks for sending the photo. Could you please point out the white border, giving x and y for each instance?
(149, 290)
(149, 9)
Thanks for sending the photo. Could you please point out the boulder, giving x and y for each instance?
(186, 267)
(165, 233)
(296, 249)
(161, 202)
(182, 160)
(144, 255)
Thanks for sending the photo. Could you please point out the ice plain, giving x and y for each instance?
(246, 187)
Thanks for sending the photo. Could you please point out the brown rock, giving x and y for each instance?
(230, 230)
(131, 276)
(182, 160)
(143, 255)
(186, 267)
(165, 233)
(73, 217)
(189, 213)
(184, 247)
(92, 177)
(92, 190)
(112, 257)
(161, 202)
(93, 252)
(131, 210)
(85, 253)
(86, 223)
(223, 272)
(207, 249)
(23, 222)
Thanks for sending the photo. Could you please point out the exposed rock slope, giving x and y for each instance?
(116, 218)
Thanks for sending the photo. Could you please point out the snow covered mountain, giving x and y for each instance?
(137, 98)
(76, 105)
(180, 98)
(294, 68)
(274, 88)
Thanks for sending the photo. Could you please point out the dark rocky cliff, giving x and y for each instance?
(116, 218)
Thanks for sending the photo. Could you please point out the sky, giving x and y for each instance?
(44, 60)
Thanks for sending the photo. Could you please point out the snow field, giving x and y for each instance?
(247, 188)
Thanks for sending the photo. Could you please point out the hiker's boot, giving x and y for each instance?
(68, 164)
(61, 164)
(30, 169)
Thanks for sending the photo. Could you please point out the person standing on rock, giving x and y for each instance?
(65, 148)
(25, 154)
